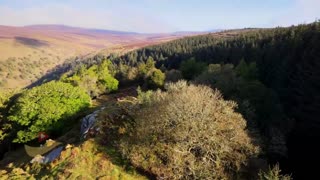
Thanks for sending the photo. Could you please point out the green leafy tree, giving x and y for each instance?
(145, 69)
(46, 108)
(142, 70)
(156, 78)
(96, 80)
(105, 77)
(5, 127)
(247, 71)
(191, 68)
(150, 64)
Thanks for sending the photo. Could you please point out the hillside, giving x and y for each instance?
(223, 105)
(65, 40)
(27, 53)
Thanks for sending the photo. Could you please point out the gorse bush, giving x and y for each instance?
(46, 108)
(188, 132)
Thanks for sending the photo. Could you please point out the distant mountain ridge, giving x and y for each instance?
(68, 28)
(198, 32)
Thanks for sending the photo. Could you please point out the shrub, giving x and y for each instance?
(46, 108)
(188, 132)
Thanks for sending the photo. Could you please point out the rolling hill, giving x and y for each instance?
(29, 52)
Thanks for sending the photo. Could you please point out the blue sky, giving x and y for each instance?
(159, 15)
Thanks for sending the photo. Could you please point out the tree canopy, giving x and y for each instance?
(188, 132)
(46, 108)
(96, 79)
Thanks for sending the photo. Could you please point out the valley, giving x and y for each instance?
(159, 90)
(28, 53)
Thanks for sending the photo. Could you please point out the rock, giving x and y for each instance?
(68, 146)
(88, 123)
(49, 142)
(54, 154)
(37, 159)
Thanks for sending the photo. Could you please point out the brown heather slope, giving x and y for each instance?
(27, 53)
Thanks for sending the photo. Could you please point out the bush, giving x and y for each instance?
(46, 108)
(188, 132)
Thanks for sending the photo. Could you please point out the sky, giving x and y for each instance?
(155, 16)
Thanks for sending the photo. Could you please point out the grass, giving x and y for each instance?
(87, 160)
(82, 160)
